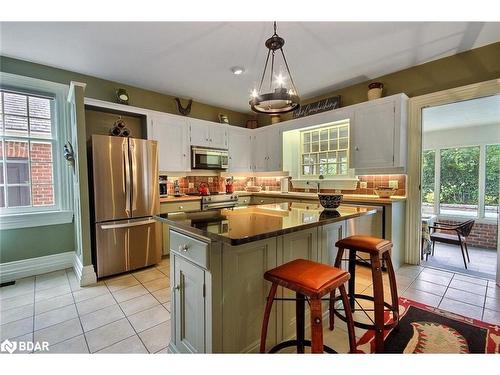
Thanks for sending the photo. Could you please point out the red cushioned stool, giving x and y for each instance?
(310, 281)
(377, 249)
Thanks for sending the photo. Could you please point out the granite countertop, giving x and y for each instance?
(361, 198)
(240, 225)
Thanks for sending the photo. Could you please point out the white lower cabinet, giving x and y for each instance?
(188, 306)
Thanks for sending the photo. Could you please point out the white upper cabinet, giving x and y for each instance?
(172, 135)
(207, 133)
(267, 144)
(378, 141)
(240, 149)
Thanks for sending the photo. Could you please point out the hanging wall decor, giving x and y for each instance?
(185, 111)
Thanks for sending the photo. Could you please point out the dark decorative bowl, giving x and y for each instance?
(330, 201)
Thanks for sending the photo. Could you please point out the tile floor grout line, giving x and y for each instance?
(446, 290)
(79, 319)
(128, 320)
(137, 334)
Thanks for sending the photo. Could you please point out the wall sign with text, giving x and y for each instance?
(317, 107)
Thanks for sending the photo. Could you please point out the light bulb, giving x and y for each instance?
(280, 80)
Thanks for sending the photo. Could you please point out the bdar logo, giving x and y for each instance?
(8, 346)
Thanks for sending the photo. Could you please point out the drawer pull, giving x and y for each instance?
(183, 248)
(181, 207)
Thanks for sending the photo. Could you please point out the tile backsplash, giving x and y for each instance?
(273, 184)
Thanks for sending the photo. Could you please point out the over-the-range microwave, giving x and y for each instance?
(208, 158)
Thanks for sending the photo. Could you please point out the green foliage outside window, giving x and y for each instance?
(428, 165)
(492, 175)
(460, 175)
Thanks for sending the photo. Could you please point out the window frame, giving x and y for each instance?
(328, 127)
(480, 217)
(62, 210)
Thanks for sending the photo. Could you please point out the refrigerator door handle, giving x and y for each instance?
(127, 225)
(133, 174)
(126, 164)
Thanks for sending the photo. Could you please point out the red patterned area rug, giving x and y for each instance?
(426, 329)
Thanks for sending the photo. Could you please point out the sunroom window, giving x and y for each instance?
(461, 181)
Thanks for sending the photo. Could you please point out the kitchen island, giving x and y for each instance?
(217, 262)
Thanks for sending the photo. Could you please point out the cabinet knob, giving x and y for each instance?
(183, 248)
(356, 148)
(181, 207)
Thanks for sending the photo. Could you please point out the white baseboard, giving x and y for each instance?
(35, 266)
(85, 274)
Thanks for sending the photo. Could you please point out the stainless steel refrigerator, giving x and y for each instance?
(125, 198)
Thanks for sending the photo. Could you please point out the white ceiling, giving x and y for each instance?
(193, 59)
(464, 114)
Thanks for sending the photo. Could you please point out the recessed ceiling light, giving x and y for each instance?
(237, 70)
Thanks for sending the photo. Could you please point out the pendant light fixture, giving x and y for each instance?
(282, 96)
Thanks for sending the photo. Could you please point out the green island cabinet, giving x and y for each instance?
(219, 293)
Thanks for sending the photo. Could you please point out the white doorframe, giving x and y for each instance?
(413, 201)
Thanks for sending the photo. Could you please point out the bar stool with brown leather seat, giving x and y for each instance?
(377, 249)
(311, 281)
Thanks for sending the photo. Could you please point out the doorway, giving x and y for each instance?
(460, 185)
(414, 170)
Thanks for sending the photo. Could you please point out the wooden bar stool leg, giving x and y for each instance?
(267, 314)
(352, 280)
(331, 308)
(300, 321)
(393, 286)
(349, 320)
(378, 294)
(316, 326)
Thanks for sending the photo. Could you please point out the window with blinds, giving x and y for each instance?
(325, 151)
(26, 150)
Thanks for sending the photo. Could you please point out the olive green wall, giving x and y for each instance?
(98, 122)
(25, 243)
(105, 90)
(477, 65)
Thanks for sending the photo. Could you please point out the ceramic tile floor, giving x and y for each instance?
(449, 257)
(131, 313)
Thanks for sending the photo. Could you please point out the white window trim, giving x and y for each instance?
(342, 177)
(480, 217)
(62, 179)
